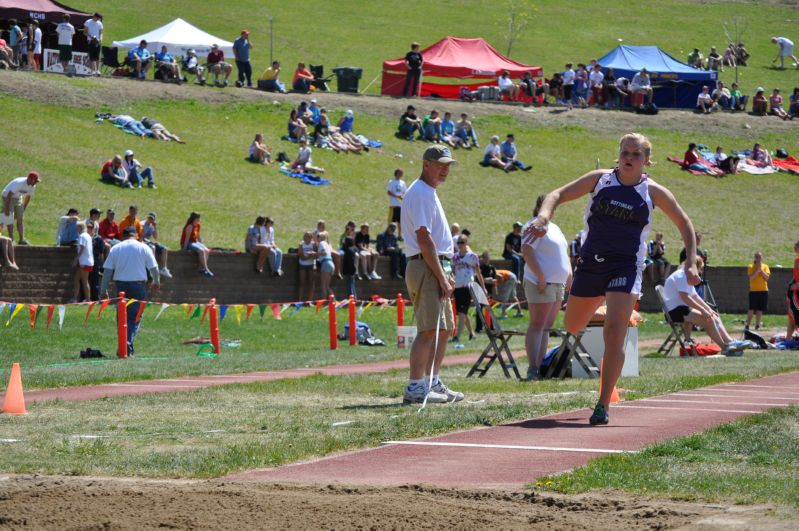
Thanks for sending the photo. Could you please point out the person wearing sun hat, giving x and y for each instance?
(428, 278)
(16, 197)
(241, 52)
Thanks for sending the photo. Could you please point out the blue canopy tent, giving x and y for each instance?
(675, 84)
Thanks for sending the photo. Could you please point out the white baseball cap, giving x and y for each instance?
(128, 153)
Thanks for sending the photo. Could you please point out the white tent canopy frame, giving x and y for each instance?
(179, 36)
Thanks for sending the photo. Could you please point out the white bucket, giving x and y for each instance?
(405, 336)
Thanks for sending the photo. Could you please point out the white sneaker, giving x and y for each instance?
(375, 276)
(417, 397)
(440, 388)
(165, 273)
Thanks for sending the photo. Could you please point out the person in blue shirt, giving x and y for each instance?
(448, 131)
(140, 58)
(241, 52)
(315, 111)
(166, 63)
(508, 154)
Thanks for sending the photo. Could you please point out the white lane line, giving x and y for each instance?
(153, 385)
(744, 397)
(509, 447)
(764, 387)
(711, 403)
(688, 409)
(744, 391)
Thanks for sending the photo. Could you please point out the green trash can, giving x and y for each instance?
(347, 78)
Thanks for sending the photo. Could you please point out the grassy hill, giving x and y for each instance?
(364, 34)
(53, 128)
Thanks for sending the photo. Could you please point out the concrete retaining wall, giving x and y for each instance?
(46, 275)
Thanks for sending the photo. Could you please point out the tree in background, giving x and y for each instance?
(519, 12)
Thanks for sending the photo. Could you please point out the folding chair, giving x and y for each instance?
(110, 59)
(571, 348)
(497, 338)
(320, 81)
(677, 334)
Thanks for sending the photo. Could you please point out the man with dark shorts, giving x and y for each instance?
(93, 28)
(413, 62)
(396, 191)
(428, 245)
(759, 274)
(65, 32)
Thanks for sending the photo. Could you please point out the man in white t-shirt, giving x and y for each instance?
(568, 83)
(642, 84)
(786, 50)
(595, 79)
(507, 86)
(396, 191)
(85, 264)
(16, 197)
(428, 246)
(37, 46)
(93, 28)
(65, 32)
(683, 304)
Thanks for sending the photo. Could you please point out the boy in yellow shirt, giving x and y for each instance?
(759, 274)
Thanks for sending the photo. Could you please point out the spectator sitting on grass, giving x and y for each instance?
(508, 152)
(704, 101)
(760, 155)
(775, 101)
(160, 132)
(67, 231)
(696, 59)
(722, 96)
(431, 127)
(492, 155)
(259, 152)
(315, 111)
(303, 79)
(693, 160)
(296, 127)
(135, 173)
(728, 59)
(114, 172)
(141, 59)
(759, 102)
(448, 131)
(737, 99)
(109, 230)
(269, 79)
(465, 132)
(714, 60)
(794, 108)
(345, 128)
(304, 114)
(742, 55)
(150, 237)
(217, 66)
(409, 123)
(303, 162)
(388, 245)
(190, 240)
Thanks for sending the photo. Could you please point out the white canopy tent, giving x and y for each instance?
(179, 36)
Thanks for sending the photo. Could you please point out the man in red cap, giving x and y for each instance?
(241, 52)
(16, 196)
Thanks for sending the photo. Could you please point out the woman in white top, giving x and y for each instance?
(303, 161)
(492, 155)
(85, 263)
(326, 265)
(547, 275)
(307, 254)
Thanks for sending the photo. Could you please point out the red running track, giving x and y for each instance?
(96, 392)
(512, 455)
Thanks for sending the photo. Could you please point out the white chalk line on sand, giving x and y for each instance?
(710, 403)
(739, 397)
(508, 447)
(783, 389)
(686, 409)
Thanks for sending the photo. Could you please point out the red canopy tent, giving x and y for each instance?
(452, 63)
(49, 14)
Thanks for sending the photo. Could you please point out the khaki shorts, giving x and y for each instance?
(423, 290)
(554, 292)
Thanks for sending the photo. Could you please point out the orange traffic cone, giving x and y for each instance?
(14, 402)
(614, 396)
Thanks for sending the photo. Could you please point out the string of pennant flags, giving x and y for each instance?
(190, 311)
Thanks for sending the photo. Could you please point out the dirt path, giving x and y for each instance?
(94, 92)
(108, 503)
